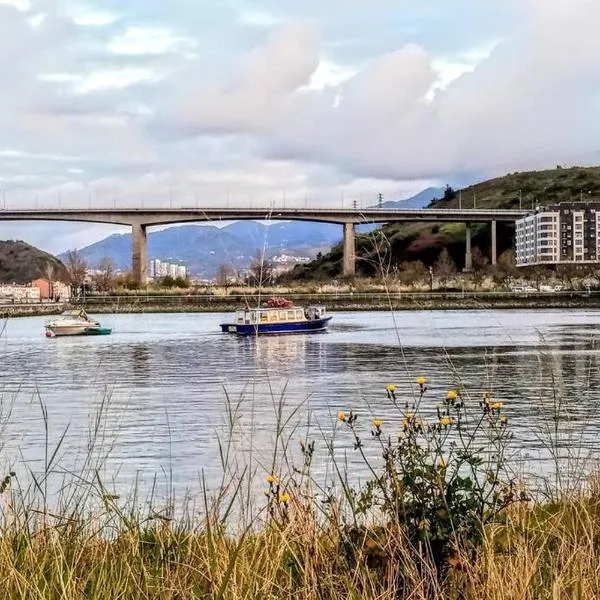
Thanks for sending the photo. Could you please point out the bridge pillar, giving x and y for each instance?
(468, 256)
(139, 259)
(494, 244)
(349, 259)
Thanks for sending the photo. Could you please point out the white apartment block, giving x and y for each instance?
(561, 234)
(159, 269)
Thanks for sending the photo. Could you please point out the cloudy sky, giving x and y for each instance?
(321, 101)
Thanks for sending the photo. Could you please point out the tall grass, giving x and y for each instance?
(298, 540)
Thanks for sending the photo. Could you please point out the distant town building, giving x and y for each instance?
(283, 263)
(564, 233)
(52, 290)
(159, 269)
(14, 293)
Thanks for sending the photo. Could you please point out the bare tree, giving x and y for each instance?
(104, 280)
(260, 271)
(76, 268)
(444, 268)
(49, 271)
(225, 276)
(479, 263)
(412, 273)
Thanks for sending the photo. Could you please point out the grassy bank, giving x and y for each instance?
(549, 551)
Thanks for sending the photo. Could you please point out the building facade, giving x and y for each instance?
(564, 233)
(13, 293)
(159, 269)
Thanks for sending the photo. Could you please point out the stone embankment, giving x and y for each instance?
(334, 302)
(350, 302)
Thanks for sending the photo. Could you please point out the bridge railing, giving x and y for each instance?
(262, 210)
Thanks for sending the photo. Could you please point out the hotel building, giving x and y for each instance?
(560, 234)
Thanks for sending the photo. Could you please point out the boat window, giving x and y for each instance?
(264, 317)
(272, 316)
(299, 314)
(290, 315)
(282, 315)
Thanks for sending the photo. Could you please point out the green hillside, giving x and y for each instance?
(395, 243)
(22, 263)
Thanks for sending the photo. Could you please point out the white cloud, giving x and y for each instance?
(223, 98)
(248, 98)
(148, 40)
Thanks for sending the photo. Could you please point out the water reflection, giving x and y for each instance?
(167, 380)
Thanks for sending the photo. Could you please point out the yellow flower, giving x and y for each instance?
(271, 478)
(409, 415)
(377, 423)
(405, 424)
(443, 463)
(421, 381)
(391, 388)
(497, 405)
(452, 395)
(284, 498)
(342, 415)
(503, 420)
(445, 421)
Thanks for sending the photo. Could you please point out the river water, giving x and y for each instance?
(168, 385)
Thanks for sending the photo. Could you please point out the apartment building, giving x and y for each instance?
(560, 234)
(159, 269)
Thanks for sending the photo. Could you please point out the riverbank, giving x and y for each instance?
(30, 310)
(333, 302)
(349, 302)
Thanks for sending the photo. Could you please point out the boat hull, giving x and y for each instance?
(313, 326)
(71, 331)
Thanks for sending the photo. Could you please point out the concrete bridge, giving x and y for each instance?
(141, 218)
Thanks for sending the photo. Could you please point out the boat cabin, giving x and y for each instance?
(256, 316)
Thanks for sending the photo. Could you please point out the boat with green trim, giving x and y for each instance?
(75, 322)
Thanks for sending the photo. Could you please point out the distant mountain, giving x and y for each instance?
(202, 248)
(22, 263)
(421, 200)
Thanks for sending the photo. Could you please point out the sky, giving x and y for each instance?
(148, 102)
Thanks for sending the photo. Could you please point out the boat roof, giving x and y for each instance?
(74, 313)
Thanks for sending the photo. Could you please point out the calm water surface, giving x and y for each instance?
(164, 382)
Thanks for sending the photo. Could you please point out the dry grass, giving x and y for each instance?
(544, 550)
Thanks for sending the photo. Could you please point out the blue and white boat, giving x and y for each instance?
(272, 320)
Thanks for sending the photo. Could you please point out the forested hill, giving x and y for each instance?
(408, 242)
(22, 263)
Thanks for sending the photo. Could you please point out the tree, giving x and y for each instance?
(76, 269)
(225, 276)
(49, 271)
(479, 262)
(444, 267)
(104, 280)
(449, 194)
(412, 273)
(506, 268)
(260, 272)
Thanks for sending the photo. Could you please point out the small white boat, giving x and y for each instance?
(75, 322)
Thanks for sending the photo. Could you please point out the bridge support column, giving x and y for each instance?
(349, 251)
(494, 245)
(468, 255)
(139, 260)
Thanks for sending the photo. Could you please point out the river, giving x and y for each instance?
(164, 383)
